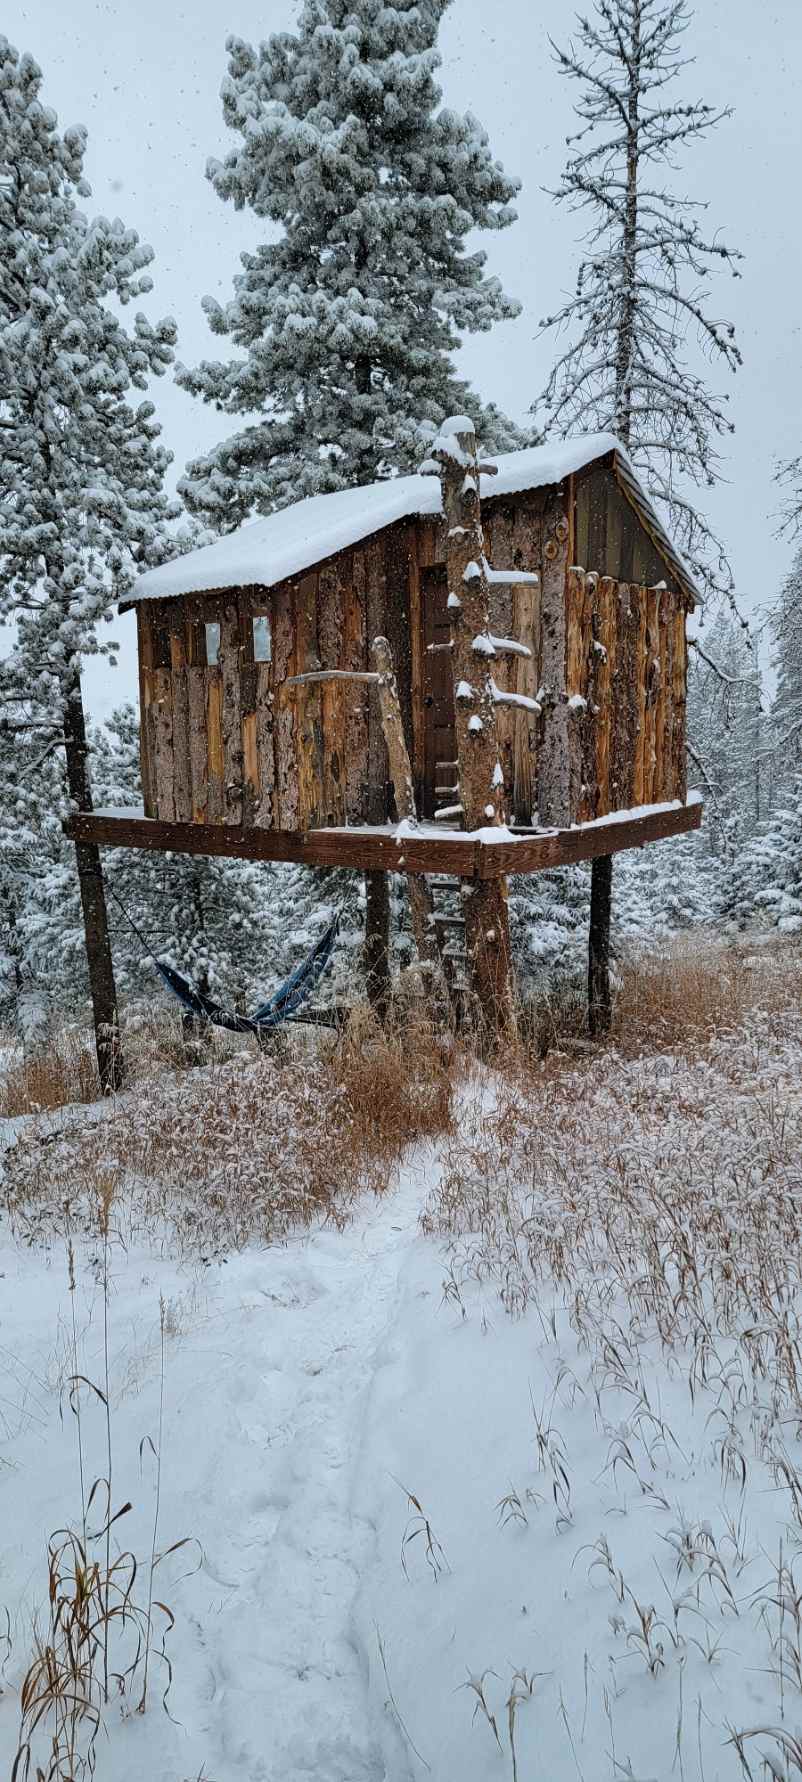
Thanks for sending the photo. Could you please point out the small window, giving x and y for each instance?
(212, 644)
(262, 640)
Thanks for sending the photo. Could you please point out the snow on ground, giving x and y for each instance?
(406, 1507)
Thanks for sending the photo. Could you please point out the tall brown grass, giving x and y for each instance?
(244, 1150)
(675, 995)
(62, 1073)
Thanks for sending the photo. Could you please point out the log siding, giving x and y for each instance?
(228, 742)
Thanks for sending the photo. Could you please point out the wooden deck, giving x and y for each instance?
(389, 849)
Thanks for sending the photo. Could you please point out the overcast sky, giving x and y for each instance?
(144, 77)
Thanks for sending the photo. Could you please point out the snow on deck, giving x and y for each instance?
(264, 552)
(429, 831)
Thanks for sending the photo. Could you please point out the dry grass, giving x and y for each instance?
(63, 1074)
(244, 1150)
(678, 996)
(693, 989)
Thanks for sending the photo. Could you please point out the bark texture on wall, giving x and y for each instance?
(224, 740)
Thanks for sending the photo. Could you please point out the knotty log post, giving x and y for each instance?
(599, 999)
(487, 928)
(418, 890)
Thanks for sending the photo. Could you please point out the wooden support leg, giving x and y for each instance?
(377, 940)
(599, 999)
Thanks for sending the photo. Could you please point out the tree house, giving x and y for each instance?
(261, 732)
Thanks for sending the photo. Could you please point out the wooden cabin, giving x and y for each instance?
(223, 629)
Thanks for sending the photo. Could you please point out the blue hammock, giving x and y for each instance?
(289, 996)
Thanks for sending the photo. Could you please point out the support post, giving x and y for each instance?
(481, 780)
(418, 891)
(599, 998)
(377, 940)
(93, 899)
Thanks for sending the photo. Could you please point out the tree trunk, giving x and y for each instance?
(418, 891)
(377, 940)
(93, 900)
(599, 999)
(625, 344)
(487, 928)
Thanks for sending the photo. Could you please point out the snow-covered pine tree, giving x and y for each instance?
(772, 869)
(785, 742)
(642, 282)
(80, 467)
(726, 733)
(345, 326)
(41, 930)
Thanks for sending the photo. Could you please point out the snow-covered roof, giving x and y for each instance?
(267, 551)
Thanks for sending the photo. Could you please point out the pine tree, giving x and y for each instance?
(346, 325)
(642, 283)
(80, 467)
(786, 715)
(772, 869)
(726, 733)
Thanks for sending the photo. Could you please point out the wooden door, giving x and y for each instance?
(440, 743)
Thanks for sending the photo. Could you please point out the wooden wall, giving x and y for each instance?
(626, 686)
(231, 743)
(608, 535)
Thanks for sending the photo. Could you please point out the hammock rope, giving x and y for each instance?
(290, 995)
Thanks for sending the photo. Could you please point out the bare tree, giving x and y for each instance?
(642, 285)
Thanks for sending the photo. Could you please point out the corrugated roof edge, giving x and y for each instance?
(270, 550)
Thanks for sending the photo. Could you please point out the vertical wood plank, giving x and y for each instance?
(285, 720)
(604, 650)
(680, 696)
(264, 746)
(309, 703)
(248, 719)
(615, 526)
(625, 701)
(182, 771)
(416, 667)
(641, 675)
(582, 523)
(145, 654)
(230, 660)
(397, 552)
(198, 749)
(653, 777)
(330, 597)
(376, 604)
(356, 697)
(215, 759)
(162, 709)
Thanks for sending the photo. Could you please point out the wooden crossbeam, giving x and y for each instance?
(589, 841)
(365, 849)
(382, 850)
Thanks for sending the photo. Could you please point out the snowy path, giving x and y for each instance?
(270, 1372)
(293, 1544)
(308, 1388)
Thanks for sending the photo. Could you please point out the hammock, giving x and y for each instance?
(289, 996)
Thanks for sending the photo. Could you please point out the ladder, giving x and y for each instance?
(446, 888)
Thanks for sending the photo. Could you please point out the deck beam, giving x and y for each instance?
(382, 849)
